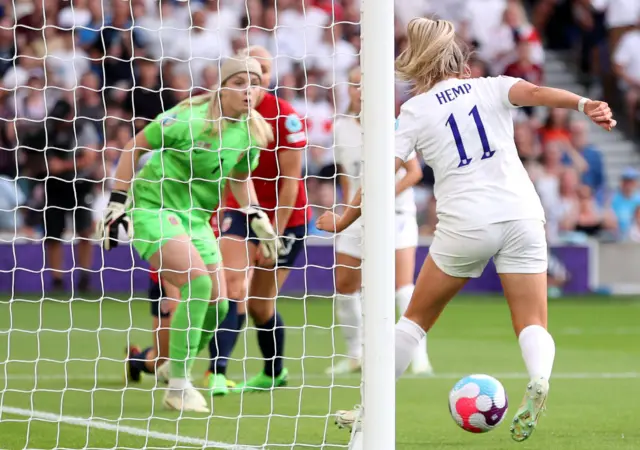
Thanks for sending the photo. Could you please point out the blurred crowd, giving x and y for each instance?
(79, 77)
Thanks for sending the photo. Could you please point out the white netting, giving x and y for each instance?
(78, 79)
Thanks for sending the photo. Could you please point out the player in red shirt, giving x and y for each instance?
(281, 193)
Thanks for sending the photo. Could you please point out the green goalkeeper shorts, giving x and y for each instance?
(153, 228)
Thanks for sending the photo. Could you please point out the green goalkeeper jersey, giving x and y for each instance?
(188, 170)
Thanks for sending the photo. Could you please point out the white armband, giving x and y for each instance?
(583, 101)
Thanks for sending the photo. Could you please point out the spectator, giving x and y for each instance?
(66, 61)
(118, 44)
(180, 88)
(556, 126)
(626, 200)
(524, 67)
(12, 196)
(500, 48)
(620, 17)
(78, 15)
(564, 219)
(300, 30)
(594, 220)
(91, 108)
(287, 89)
(478, 68)
(634, 231)
(31, 103)
(547, 180)
(222, 21)
(627, 67)
(89, 34)
(334, 58)
(28, 63)
(204, 47)
(594, 175)
(71, 159)
(7, 46)
(319, 116)
(148, 98)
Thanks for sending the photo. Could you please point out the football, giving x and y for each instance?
(478, 403)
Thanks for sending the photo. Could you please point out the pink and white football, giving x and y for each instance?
(478, 403)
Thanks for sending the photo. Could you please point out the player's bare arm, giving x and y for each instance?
(335, 223)
(345, 182)
(411, 178)
(524, 93)
(289, 162)
(242, 189)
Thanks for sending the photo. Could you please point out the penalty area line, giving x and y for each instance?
(118, 428)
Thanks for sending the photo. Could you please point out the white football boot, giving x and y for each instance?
(533, 404)
(420, 365)
(187, 399)
(351, 419)
(344, 367)
(162, 373)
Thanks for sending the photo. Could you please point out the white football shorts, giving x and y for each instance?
(349, 242)
(518, 246)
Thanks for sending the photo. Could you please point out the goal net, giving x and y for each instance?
(79, 78)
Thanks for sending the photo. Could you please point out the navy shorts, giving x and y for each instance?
(235, 223)
(155, 299)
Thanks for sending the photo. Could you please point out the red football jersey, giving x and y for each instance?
(290, 133)
(154, 275)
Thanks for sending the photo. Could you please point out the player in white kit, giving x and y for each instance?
(348, 157)
(487, 205)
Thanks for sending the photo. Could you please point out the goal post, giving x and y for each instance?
(379, 223)
(86, 77)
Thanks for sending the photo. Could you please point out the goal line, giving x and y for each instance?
(118, 428)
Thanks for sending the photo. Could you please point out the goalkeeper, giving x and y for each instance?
(201, 142)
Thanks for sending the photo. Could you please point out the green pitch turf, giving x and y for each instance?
(61, 363)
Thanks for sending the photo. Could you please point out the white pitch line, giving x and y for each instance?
(102, 425)
(338, 378)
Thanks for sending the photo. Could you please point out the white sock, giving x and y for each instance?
(538, 351)
(403, 297)
(349, 315)
(408, 336)
(179, 383)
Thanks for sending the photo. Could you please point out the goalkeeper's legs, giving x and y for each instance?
(181, 264)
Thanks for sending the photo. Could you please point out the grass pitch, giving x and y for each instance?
(61, 379)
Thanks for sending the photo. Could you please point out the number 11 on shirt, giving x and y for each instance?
(464, 159)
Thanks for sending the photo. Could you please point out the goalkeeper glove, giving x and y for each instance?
(270, 244)
(114, 217)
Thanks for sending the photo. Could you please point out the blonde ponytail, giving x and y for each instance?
(259, 129)
(433, 54)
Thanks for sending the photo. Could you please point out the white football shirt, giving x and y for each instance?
(464, 130)
(348, 154)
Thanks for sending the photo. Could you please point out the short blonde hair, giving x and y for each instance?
(433, 54)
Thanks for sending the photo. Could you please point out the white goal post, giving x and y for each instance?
(378, 106)
(63, 380)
